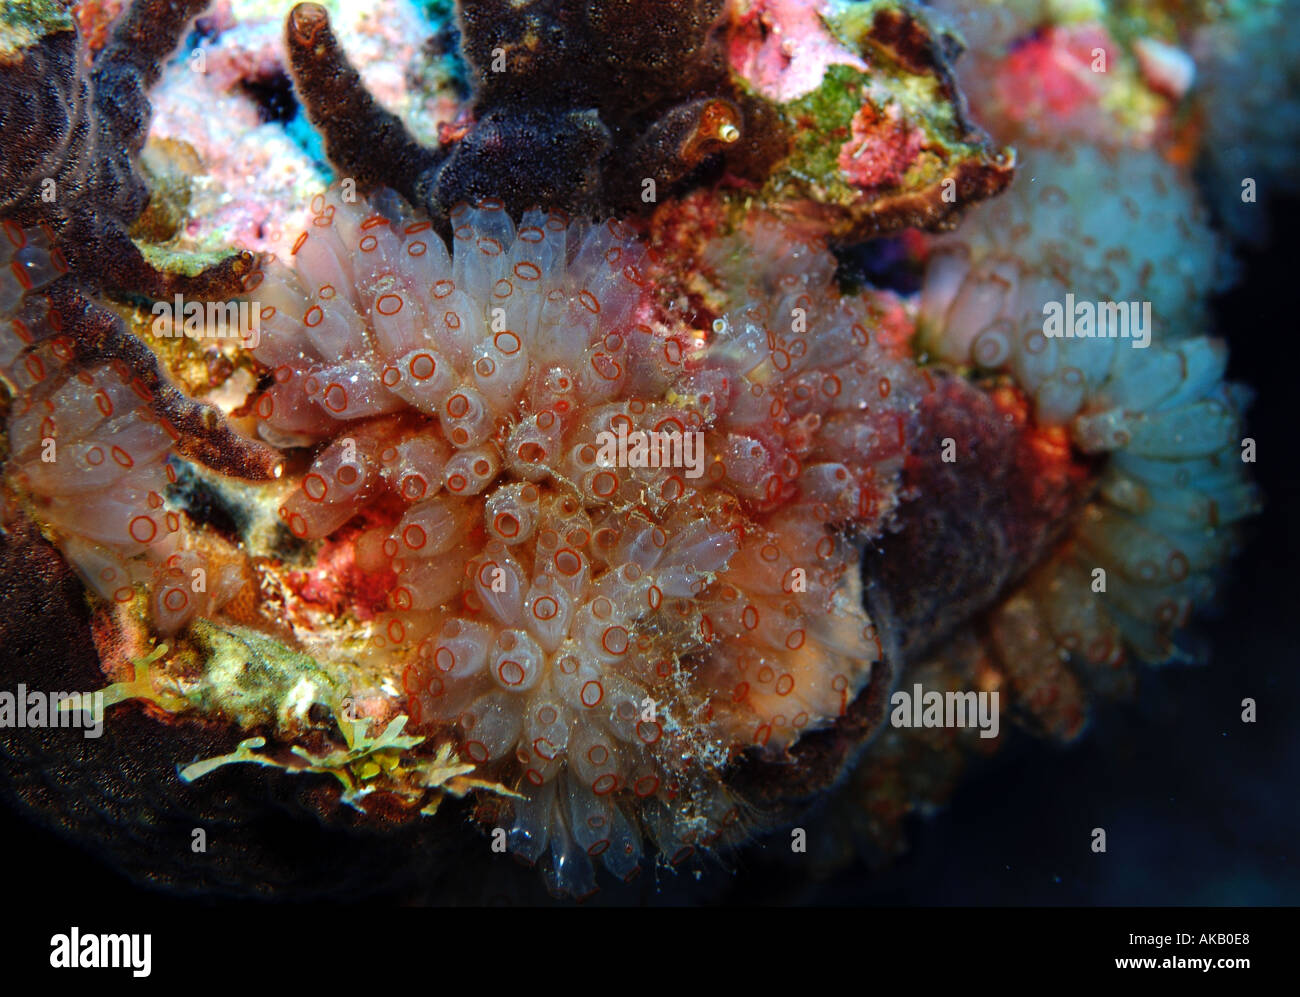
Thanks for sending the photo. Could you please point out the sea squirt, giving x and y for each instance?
(605, 635)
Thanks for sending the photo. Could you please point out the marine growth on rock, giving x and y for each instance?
(561, 464)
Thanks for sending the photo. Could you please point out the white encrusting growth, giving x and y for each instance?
(1170, 425)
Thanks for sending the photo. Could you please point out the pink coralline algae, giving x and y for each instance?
(783, 48)
(1050, 77)
(880, 149)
